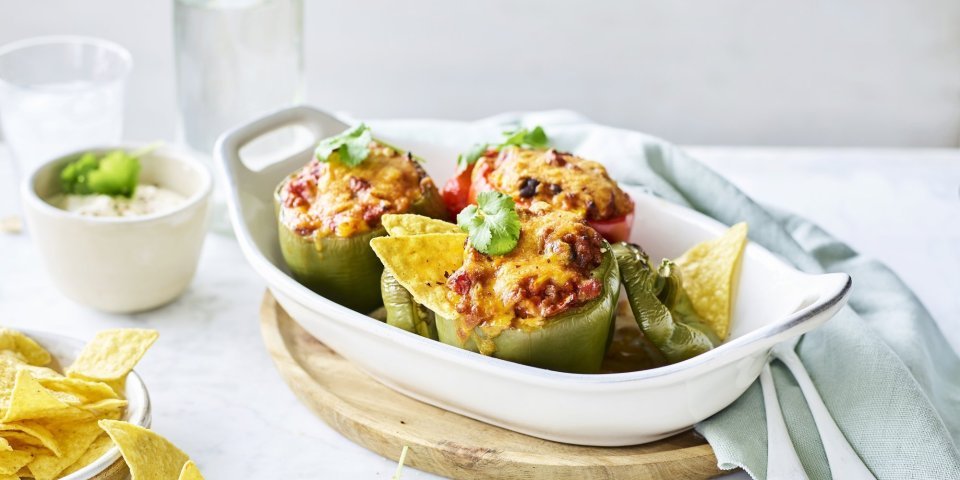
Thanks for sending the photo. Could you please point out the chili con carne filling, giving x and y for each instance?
(564, 180)
(333, 199)
(547, 274)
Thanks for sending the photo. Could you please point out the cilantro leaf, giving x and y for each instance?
(471, 156)
(535, 138)
(522, 137)
(353, 146)
(116, 173)
(493, 226)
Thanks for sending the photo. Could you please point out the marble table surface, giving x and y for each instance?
(215, 391)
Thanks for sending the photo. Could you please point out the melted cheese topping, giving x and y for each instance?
(333, 199)
(561, 179)
(548, 273)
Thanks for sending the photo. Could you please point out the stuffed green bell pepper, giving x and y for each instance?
(329, 210)
(533, 286)
(661, 306)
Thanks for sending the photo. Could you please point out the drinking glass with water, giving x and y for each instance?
(59, 94)
(236, 60)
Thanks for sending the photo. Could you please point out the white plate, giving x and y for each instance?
(774, 303)
(64, 350)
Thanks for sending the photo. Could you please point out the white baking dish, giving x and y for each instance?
(774, 303)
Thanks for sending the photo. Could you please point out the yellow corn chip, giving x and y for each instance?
(190, 472)
(11, 462)
(422, 263)
(10, 477)
(112, 354)
(5, 445)
(30, 350)
(710, 271)
(11, 363)
(105, 407)
(84, 391)
(16, 362)
(30, 400)
(30, 433)
(119, 386)
(74, 439)
(149, 456)
(96, 450)
(410, 224)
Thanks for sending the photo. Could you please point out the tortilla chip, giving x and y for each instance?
(84, 390)
(148, 455)
(11, 363)
(96, 450)
(710, 272)
(190, 472)
(28, 433)
(12, 461)
(105, 407)
(30, 400)
(74, 438)
(30, 350)
(410, 224)
(422, 263)
(112, 354)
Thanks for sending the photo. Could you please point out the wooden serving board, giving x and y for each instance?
(449, 444)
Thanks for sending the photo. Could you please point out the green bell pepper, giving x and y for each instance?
(344, 269)
(661, 305)
(403, 311)
(575, 341)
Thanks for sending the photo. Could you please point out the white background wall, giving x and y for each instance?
(786, 72)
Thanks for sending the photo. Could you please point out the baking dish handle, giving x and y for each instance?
(227, 150)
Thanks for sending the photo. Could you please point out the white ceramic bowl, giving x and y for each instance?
(774, 303)
(64, 350)
(124, 264)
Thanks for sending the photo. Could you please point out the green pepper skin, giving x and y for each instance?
(403, 312)
(661, 305)
(344, 269)
(574, 342)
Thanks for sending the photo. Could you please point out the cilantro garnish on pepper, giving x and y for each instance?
(493, 226)
(522, 137)
(353, 146)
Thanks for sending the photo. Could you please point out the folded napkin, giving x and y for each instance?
(884, 370)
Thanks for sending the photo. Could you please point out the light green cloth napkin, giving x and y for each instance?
(884, 370)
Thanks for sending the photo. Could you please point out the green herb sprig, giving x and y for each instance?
(353, 146)
(116, 173)
(493, 226)
(521, 137)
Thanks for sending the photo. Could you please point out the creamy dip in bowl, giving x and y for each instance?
(146, 200)
(118, 254)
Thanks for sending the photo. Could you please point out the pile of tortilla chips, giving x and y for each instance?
(50, 423)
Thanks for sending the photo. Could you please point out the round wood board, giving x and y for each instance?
(448, 444)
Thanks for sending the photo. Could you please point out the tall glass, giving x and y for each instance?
(59, 94)
(236, 60)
